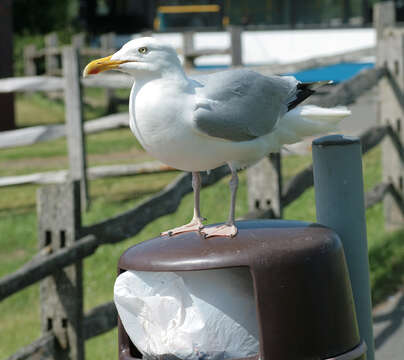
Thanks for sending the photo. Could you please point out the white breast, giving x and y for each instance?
(161, 119)
(158, 119)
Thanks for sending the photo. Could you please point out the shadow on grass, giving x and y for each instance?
(123, 197)
(6, 211)
(394, 318)
(387, 266)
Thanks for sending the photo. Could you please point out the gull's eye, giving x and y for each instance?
(143, 50)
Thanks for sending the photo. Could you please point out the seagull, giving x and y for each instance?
(233, 117)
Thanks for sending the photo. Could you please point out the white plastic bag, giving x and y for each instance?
(206, 314)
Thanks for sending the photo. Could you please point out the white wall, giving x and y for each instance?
(263, 47)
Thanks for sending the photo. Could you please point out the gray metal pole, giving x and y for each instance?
(338, 183)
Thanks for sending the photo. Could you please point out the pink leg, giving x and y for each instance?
(197, 219)
(228, 229)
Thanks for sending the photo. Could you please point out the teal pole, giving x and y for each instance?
(340, 205)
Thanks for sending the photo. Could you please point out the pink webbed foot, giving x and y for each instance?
(194, 225)
(224, 230)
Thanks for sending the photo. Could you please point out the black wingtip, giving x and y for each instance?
(304, 90)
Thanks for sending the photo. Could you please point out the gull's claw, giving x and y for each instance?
(225, 230)
(194, 225)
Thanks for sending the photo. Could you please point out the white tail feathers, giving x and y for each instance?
(316, 113)
(307, 120)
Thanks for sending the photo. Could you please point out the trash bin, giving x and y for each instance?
(301, 286)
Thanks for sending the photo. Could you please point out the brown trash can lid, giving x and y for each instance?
(302, 290)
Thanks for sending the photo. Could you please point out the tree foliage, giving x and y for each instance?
(41, 16)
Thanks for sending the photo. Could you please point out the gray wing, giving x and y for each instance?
(240, 105)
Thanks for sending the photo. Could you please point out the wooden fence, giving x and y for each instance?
(32, 135)
(265, 188)
(51, 53)
(390, 50)
(65, 242)
(71, 83)
(51, 56)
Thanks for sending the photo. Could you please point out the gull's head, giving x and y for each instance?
(138, 56)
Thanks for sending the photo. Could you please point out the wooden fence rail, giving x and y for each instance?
(342, 94)
(388, 73)
(35, 134)
(121, 81)
(42, 266)
(52, 51)
(93, 173)
(347, 92)
(171, 196)
(390, 50)
(103, 318)
(235, 50)
(98, 321)
(121, 227)
(42, 348)
(304, 179)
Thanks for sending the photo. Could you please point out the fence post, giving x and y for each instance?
(390, 54)
(384, 15)
(51, 59)
(61, 295)
(74, 121)
(236, 49)
(264, 181)
(29, 60)
(78, 40)
(188, 48)
(338, 184)
(107, 43)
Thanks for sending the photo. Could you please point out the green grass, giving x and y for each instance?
(115, 146)
(20, 313)
(28, 110)
(29, 107)
(386, 259)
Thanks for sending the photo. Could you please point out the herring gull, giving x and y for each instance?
(233, 117)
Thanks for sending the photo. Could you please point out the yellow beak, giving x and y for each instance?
(103, 64)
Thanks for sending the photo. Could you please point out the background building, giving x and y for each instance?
(127, 16)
